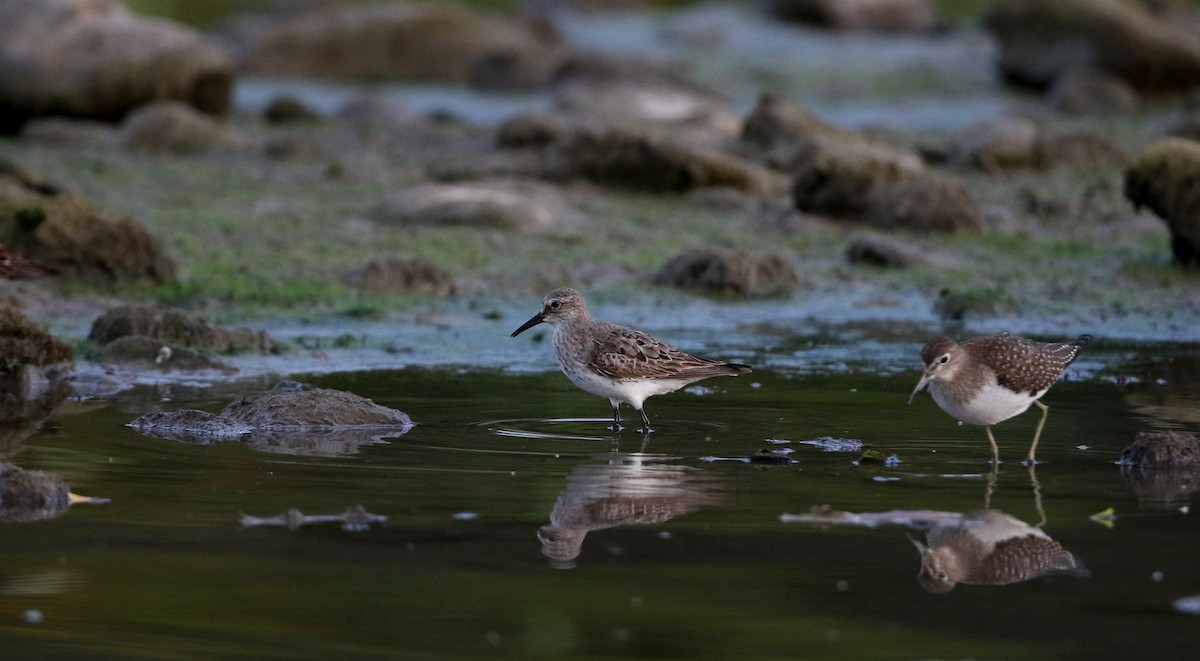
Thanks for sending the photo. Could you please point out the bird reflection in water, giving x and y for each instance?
(989, 547)
(627, 489)
(976, 547)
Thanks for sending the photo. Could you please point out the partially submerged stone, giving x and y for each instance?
(291, 418)
(1166, 180)
(96, 59)
(176, 328)
(729, 272)
(31, 495)
(1163, 450)
(73, 235)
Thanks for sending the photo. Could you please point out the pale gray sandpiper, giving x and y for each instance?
(986, 380)
(619, 363)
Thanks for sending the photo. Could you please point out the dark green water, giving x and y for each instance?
(664, 553)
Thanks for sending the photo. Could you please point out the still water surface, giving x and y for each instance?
(518, 527)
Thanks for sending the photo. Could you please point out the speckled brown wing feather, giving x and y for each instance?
(1023, 558)
(1023, 365)
(624, 353)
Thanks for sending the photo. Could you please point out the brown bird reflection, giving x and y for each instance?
(628, 489)
(989, 547)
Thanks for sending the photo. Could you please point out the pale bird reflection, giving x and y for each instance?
(627, 489)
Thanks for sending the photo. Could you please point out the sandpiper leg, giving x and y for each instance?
(995, 448)
(616, 425)
(1037, 434)
(645, 421)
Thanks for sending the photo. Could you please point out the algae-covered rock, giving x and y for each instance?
(23, 342)
(403, 276)
(1166, 180)
(291, 418)
(73, 235)
(170, 127)
(883, 252)
(171, 326)
(402, 41)
(633, 159)
(729, 272)
(147, 352)
(96, 59)
(1040, 40)
(1163, 450)
(30, 495)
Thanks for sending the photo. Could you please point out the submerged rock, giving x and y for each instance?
(96, 59)
(291, 418)
(1163, 179)
(729, 272)
(173, 327)
(1041, 40)
(73, 235)
(27, 495)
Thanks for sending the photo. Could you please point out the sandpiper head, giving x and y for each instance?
(559, 305)
(939, 356)
(939, 568)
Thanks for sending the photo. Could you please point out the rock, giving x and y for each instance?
(845, 185)
(289, 109)
(147, 352)
(67, 132)
(1086, 90)
(170, 127)
(521, 206)
(290, 419)
(858, 15)
(73, 236)
(96, 59)
(691, 116)
(1163, 467)
(23, 342)
(1007, 143)
(305, 408)
(1040, 40)
(1163, 450)
(633, 159)
(29, 495)
(1163, 179)
(173, 327)
(729, 272)
(419, 42)
(883, 252)
(532, 129)
(190, 425)
(402, 276)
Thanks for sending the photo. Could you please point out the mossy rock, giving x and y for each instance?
(30, 495)
(23, 342)
(1166, 180)
(729, 272)
(171, 326)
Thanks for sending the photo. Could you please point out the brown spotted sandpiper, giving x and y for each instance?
(622, 364)
(989, 379)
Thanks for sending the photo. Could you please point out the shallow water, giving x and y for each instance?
(519, 527)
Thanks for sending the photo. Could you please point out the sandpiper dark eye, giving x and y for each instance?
(554, 305)
(944, 359)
